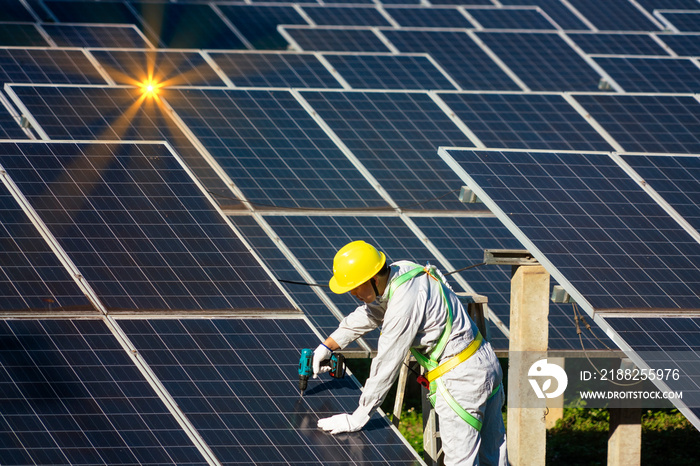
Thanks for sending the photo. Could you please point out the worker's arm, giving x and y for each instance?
(362, 320)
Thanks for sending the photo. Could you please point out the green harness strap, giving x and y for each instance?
(431, 362)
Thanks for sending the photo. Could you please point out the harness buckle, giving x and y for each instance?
(423, 382)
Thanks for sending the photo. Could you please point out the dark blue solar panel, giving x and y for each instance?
(556, 10)
(78, 35)
(72, 395)
(525, 121)
(395, 136)
(389, 72)
(273, 150)
(666, 343)
(636, 74)
(14, 10)
(429, 17)
(506, 18)
(614, 15)
(114, 114)
(9, 125)
(682, 44)
(21, 34)
(336, 40)
(345, 15)
(47, 66)
(685, 21)
(651, 5)
(186, 26)
(462, 241)
(237, 381)
(617, 44)
(91, 12)
(648, 123)
(275, 70)
(165, 68)
(460, 2)
(675, 178)
(258, 23)
(31, 276)
(599, 229)
(458, 54)
(544, 61)
(138, 229)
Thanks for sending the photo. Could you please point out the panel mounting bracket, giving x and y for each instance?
(509, 257)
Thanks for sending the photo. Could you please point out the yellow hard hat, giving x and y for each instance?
(354, 264)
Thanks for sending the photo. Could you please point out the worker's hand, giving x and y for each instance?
(320, 354)
(346, 422)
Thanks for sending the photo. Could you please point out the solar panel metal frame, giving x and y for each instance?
(40, 26)
(86, 53)
(661, 59)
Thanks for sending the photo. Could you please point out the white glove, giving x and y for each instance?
(346, 422)
(321, 353)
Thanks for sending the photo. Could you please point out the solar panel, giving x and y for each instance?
(457, 54)
(31, 277)
(316, 309)
(83, 35)
(334, 40)
(681, 21)
(113, 114)
(9, 124)
(394, 135)
(675, 178)
(510, 18)
(429, 17)
(544, 61)
(47, 66)
(165, 67)
(617, 43)
(462, 240)
(258, 23)
(666, 343)
(596, 227)
(525, 121)
(138, 229)
(389, 72)
(615, 15)
(186, 26)
(556, 10)
(651, 5)
(273, 150)
(345, 15)
(640, 74)
(91, 12)
(21, 34)
(647, 123)
(275, 70)
(682, 44)
(237, 382)
(71, 395)
(14, 10)
(460, 2)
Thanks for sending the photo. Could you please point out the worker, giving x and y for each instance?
(418, 311)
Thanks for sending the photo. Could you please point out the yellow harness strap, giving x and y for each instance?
(454, 361)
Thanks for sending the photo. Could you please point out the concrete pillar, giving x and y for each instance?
(555, 406)
(529, 309)
(625, 437)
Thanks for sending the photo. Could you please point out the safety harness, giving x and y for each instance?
(434, 369)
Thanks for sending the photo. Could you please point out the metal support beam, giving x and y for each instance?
(625, 437)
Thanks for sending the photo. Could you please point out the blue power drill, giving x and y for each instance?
(336, 363)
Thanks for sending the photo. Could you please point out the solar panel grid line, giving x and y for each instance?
(443, 71)
(47, 37)
(231, 26)
(148, 31)
(98, 66)
(463, 11)
(293, 44)
(549, 19)
(457, 121)
(649, 189)
(592, 121)
(30, 10)
(667, 25)
(298, 8)
(331, 69)
(217, 69)
(496, 59)
(386, 15)
(663, 44)
(579, 15)
(26, 113)
(62, 33)
(522, 22)
(307, 277)
(685, 44)
(377, 32)
(445, 263)
(660, 74)
(592, 63)
(648, 15)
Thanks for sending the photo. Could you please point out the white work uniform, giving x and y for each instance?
(415, 317)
